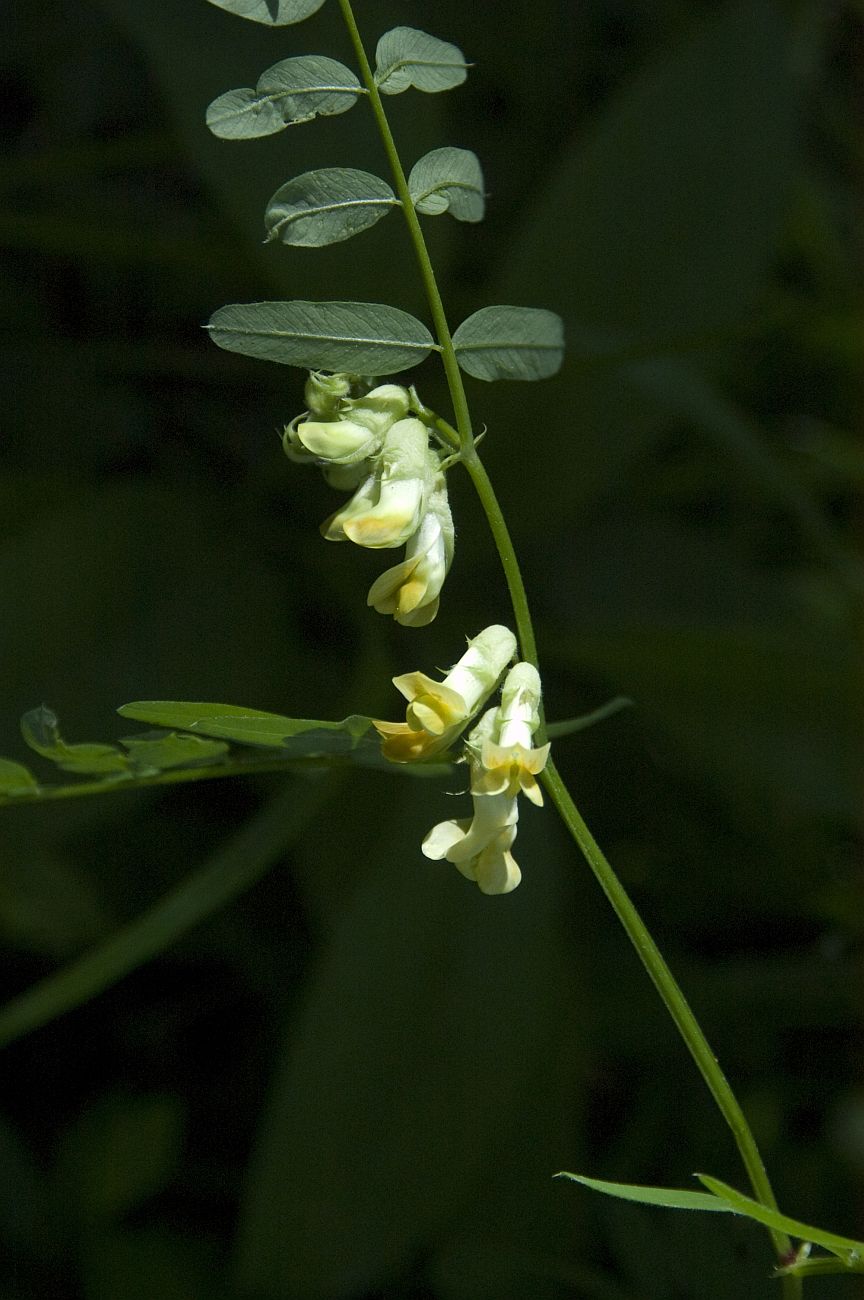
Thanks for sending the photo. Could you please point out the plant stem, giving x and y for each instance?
(427, 273)
(647, 950)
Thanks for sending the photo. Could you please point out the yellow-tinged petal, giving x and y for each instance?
(510, 768)
(402, 744)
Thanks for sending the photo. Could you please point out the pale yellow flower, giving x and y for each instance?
(410, 590)
(480, 846)
(438, 712)
(387, 508)
(506, 761)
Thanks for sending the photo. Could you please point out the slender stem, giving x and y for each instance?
(513, 574)
(645, 946)
(427, 274)
(648, 952)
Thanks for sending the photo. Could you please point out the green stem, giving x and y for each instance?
(647, 950)
(427, 273)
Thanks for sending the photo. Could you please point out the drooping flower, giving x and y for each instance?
(507, 761)
(438, 712)
(410, 590)
(479, 846)
(388, 506)
(503, 762)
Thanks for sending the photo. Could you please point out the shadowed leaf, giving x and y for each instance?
(302, 736)
(40, 729)
(16, 779)
(510, 343)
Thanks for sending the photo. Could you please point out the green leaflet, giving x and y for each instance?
(145, 755)
(16, 779)
(304, 736)
(448, 180)
(159, 750)
(567, 726)
(40, 729)
(723, 1199)
(407, 57)
(364, 337)
(326, 206)
(510, 343)
(276, 13)
(671, 1198)
(295, 90)
(846, 1248)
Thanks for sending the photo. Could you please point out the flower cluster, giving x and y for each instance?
(372, 445)
(502, 758)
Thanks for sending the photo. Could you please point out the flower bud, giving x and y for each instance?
(324, 392)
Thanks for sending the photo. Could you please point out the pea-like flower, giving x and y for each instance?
(507, 761)
(410, 590)
(388, 506)
(438, 712)
(479, 846)
(503, 762)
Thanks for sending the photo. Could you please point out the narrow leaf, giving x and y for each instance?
(567, 726)
(365, 337)
(672, 1198)
(303, 737)
(510, 343)
(40, 729)
(276, 13)
(408, 57)
(295, 90)
(448, 180)
(16, 779)
(158, 750)
(326, 206)
(845, 1248)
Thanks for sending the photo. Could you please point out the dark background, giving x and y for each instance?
(358, 1079)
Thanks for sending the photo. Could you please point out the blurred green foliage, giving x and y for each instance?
(358, 1079)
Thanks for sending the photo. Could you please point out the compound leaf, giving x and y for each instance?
(365, 337)
(408, 57)
(276, 13)
(295, 90)
(326, 206)
(40, 729)
(510, 343)
(16, 779)
(303, 737)
(448, 180)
